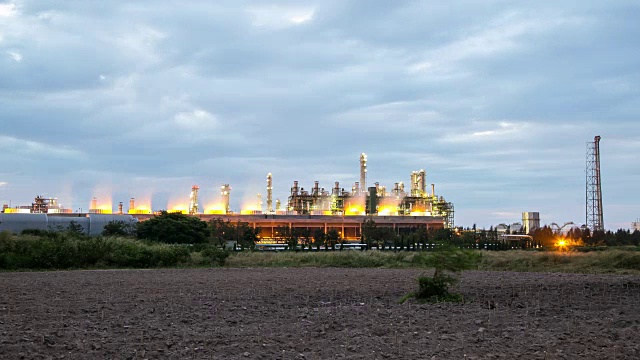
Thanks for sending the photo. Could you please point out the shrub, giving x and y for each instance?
(443, 259)
(68, 252)
(434, 289)
(215, 254)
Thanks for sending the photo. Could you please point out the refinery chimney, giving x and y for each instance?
(132, 205)
(193, 200)
(422, 182)
(269, 193)
(336, 189)
(363, 173)
(94, 204)
(120, 208)
(224, 191)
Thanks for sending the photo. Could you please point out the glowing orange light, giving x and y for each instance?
(355, 210)
(178, 208)
(388, 210)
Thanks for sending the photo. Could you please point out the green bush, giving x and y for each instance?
(434, 289)
(68, 252)
(216, 255)
(444, 259)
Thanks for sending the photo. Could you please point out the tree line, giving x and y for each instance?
(175, 228)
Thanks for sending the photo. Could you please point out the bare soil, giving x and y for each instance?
(313, 313)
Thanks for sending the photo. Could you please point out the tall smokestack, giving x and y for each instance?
(94, 204)
(132, 204)
(269, 193)
(120, 208)
(363, 173)
(433, 190)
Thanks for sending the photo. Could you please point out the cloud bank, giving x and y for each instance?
(495, 100)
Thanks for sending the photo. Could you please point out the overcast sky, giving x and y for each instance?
(496, 100)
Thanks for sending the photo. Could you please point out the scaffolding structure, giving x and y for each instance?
(594, 211)
(193, 200)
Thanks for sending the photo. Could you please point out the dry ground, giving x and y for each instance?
(312, 313)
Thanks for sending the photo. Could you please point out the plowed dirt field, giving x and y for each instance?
(314, 313)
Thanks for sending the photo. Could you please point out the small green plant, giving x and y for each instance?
(446, 261)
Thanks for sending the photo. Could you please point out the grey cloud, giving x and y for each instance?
(494, 99)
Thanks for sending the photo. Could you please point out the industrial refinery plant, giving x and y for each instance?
(336, 209)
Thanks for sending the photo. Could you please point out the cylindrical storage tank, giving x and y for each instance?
(17, 222)
(62, 223)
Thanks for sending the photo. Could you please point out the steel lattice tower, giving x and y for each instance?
(595, 218)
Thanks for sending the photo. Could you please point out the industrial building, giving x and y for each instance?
(336, 209)
(92, 224)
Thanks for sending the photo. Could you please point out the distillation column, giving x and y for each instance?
(224, 191)
(422, 182)
(269, 193)
(363, 174)
(193, 200)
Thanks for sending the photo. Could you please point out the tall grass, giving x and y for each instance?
(609, 261)
(612, 261)
(351, 259)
